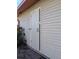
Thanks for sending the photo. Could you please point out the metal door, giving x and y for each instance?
(34, 30)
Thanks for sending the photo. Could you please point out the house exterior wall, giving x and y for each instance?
(50, 27)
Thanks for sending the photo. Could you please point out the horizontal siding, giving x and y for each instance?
(50, 28)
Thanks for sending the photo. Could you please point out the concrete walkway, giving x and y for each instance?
(24, 52)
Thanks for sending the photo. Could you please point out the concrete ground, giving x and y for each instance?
(24, 52)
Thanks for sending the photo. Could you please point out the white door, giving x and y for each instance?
(34, 30)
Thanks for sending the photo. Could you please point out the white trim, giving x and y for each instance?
(21, 4)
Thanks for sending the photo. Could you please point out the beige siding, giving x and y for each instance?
(50, 26)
